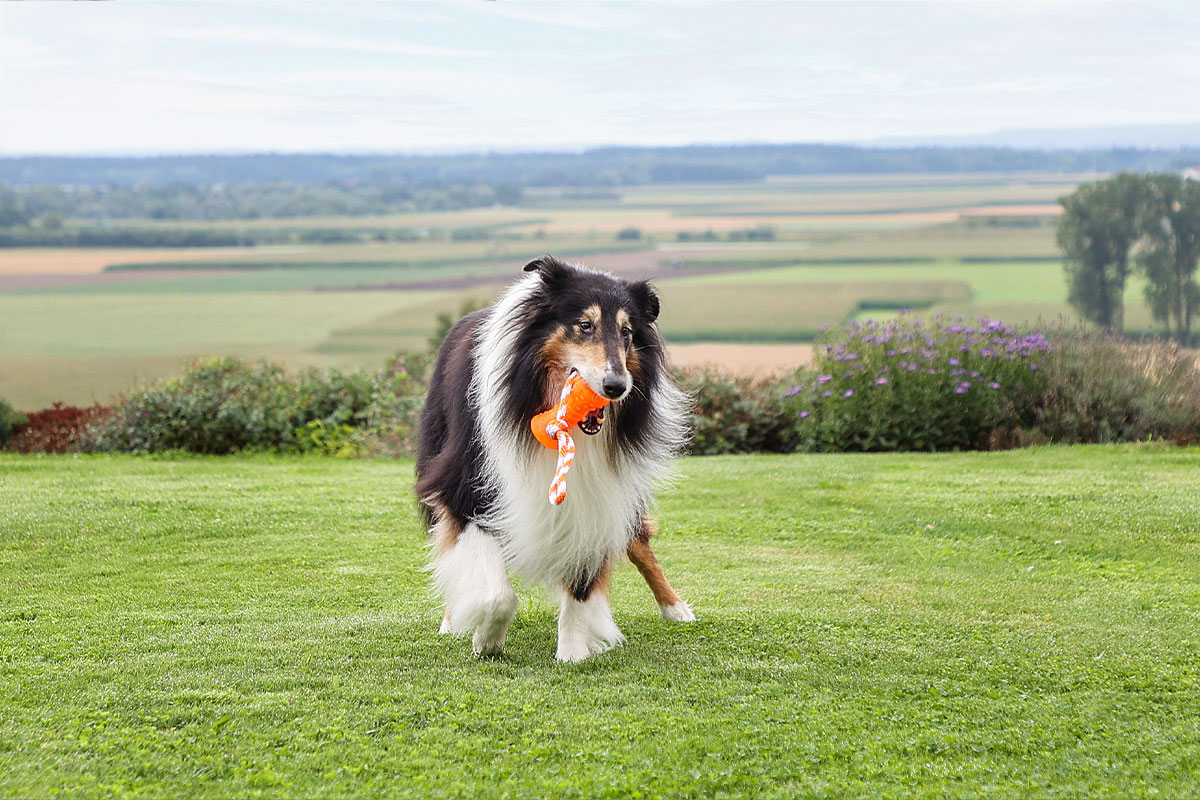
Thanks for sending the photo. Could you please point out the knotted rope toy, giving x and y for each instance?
(553, 427)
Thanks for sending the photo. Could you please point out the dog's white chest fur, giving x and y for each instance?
(553, 543)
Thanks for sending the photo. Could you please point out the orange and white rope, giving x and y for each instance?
(559, 429)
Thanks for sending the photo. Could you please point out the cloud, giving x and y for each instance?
(174, 75)
(314, 40)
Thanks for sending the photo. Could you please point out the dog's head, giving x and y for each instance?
(595, 323)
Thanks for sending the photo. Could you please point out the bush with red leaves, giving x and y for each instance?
(54, 430)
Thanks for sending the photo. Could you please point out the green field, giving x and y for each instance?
(844, 247)
(1018, 624)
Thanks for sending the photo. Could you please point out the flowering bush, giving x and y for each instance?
(908, 384)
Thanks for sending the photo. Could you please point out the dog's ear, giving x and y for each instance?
(551, 269)
(646, 300)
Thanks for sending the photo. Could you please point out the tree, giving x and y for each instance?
(1097, 232)
(446, 320)
(1171, 224)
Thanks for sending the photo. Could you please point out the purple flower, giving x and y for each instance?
(964, 348)
(994, 385)
(962, 387)
(795, 390)
(824, 378)
(1033, 366)
(954, 362)
(826, 393)
(880, 381)
(803, 414)
(849, 393)
(891, 352)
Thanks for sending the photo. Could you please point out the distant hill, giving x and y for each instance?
(603, 166)
(1167, 137)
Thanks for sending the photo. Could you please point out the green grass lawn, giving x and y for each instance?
(1021, 624)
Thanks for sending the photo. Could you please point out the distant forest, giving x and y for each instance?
(604, 166)
(41, 191)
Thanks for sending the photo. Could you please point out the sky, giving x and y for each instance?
(185, 76)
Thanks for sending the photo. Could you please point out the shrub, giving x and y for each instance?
(57, 429)
(736, 415)
(225, 405)
(319, 436)
(9, 419)
(393, 410)
(911, 385)
(1104, 388)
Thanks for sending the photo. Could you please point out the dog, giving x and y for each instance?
(482, 477)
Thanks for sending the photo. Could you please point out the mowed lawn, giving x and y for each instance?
(1020, 624)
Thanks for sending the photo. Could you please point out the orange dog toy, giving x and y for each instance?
(553, 427)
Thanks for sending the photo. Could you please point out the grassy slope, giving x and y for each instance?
(1016, 291)
(79, 348)
(1016, 624)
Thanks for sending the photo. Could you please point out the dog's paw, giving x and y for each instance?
(485, 647)
(573, 649)
(680, 612)
(572, 652)
(445, 627)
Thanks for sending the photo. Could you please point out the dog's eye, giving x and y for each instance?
(585, 327)
(627, 333)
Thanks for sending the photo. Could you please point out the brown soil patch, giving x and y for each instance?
(17, 282)
(86, 260)
(750, 360)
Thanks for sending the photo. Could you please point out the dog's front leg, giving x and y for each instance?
(585, 621)
(473, 579)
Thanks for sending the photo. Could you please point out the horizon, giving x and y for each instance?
(946, 144)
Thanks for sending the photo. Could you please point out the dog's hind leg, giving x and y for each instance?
(472, 577)
(670, 604)
(585, 621)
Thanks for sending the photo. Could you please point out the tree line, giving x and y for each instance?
(45, 205)
(595, 167)
(1144, 222)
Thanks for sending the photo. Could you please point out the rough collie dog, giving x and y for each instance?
(482, 477)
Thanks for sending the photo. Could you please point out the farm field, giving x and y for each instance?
(1018, 624)
(79, 325)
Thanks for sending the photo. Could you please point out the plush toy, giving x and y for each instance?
(553, 427)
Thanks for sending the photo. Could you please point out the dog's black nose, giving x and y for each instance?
(614, 387)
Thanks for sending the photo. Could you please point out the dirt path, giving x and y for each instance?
(751, 360)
